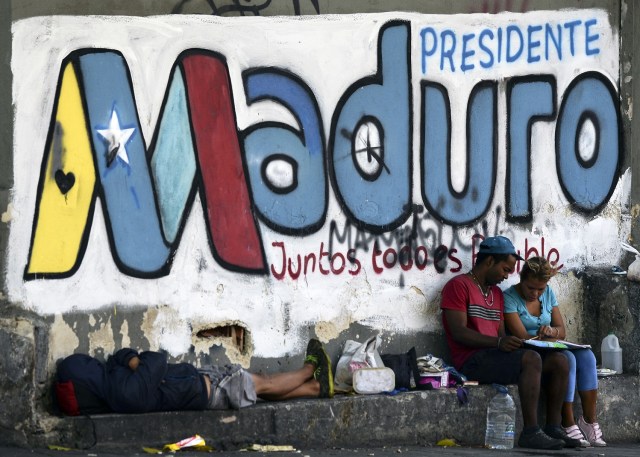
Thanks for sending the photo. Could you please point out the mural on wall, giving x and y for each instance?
(306, 170)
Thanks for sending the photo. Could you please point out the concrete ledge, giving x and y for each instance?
(411, 418)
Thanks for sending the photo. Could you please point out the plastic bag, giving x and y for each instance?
(354, 356)
(633, 272)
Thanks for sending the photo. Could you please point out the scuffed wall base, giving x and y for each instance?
(100, 333)
(23, 380)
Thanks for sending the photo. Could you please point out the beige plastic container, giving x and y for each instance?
(374, 380)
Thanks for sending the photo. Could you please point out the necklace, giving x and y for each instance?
(486, 294)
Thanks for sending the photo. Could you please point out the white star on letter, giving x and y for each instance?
(117, 138)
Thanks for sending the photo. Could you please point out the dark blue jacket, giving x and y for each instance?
(155, 385)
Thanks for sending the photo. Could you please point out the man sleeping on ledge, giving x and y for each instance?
(132, 382)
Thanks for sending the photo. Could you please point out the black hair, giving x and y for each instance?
(482, 256)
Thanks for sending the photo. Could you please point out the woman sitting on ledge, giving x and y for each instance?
(532, 311)
(132, 382)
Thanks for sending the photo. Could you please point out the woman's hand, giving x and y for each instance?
(548, 332)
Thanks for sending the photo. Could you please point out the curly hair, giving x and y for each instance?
(538, 268)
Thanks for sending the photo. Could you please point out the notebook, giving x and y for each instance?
(557, 344)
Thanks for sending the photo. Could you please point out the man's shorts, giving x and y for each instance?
(493, 365)
(231, 387)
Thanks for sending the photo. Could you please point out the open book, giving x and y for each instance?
(557, 344)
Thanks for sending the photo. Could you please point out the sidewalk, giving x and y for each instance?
(624, 450)
(346, 421)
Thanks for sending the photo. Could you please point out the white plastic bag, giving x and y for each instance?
(633, 272)
(354, 356)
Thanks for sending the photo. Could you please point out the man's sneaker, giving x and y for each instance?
(317, 356)
(575, 433)
(313, 352)
(538, 440)
(556, 431)
(591, 432)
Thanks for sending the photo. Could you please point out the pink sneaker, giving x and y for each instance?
(592, 432)
(575, 433)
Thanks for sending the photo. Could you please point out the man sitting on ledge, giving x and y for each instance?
(132, 382)
(472, 315)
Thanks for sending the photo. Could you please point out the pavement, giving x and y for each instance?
(615, 450)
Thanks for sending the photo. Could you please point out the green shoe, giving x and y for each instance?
(318, 357)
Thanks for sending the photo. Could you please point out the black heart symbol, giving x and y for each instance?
(65, 181)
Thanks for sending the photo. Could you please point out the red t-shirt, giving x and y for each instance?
(461, 293)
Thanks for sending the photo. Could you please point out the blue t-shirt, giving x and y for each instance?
(514, 303)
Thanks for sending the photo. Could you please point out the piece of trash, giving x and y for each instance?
(194, 443)
(616, 270)
(605, 372)
(447, 442)
(463, 395)
(53, 447)
(228, 420)
(151, 450)
(270, 448)
(396, 391)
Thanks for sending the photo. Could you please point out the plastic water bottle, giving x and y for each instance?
(611, 353)
(501, 420)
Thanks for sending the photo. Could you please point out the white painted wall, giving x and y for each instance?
(329, 53)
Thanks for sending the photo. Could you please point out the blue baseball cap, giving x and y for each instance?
(498, 245)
